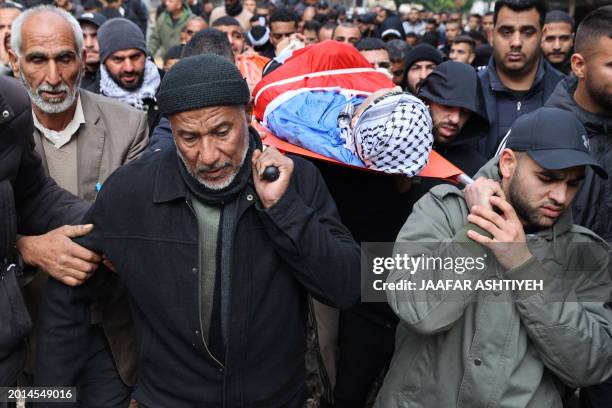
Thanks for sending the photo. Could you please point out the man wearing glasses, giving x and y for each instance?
(193, 26)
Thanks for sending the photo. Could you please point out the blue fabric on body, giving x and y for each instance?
(310, 120)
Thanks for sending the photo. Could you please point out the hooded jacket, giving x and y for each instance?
(391, 26)
(512, 348)
(456, 84)
(503, 108)
(592, 205)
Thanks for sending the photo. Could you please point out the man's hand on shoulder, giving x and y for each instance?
(508, 241)
(56, 254)
(270, 192)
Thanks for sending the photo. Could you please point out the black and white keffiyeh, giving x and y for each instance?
(394, 135)
(136, 98)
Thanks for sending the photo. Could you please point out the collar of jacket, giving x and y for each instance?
(563, 97)
(6, 113)
(170, 186)
(186, 16)
(497, 85)
(563, 224)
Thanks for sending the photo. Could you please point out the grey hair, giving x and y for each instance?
(16, 30)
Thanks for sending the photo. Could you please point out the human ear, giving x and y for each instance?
(507, 163)
(578, 65)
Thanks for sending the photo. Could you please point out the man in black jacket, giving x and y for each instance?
(588, 94)
(518, 80)
(217, 260)
(41, 206)
(558, 40)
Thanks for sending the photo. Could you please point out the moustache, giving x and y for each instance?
(131, 73)
(449, 125)
(54, 89)
(201, 168)
(555, 206)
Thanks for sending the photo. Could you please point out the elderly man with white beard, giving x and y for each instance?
(82, 138)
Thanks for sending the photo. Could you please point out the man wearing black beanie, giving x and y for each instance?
(420, 62)
(217, 259)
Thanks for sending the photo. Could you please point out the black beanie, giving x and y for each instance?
(119, 34)
(201, 81)
(423, 52)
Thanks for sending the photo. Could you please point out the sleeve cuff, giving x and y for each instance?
(466, 242)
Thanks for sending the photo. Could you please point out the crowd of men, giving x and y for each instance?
(149, 260)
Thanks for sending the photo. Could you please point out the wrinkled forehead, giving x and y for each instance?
(46, 32)
(558, 28)
(203, 119)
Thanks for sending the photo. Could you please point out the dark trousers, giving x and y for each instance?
(100, 384)
(597, 396)
(297, 401)
(366, 349)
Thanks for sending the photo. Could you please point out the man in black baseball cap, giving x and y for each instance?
(554, 139)
(90, 22)
(530, 340)
(541, 162)
(367, 24)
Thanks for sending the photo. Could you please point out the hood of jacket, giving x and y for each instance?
(563, 223)
(563, 98)
(392, 25)
(456, 84)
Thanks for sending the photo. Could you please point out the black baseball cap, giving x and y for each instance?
(96, 19)
(367, 18)
(554, 138)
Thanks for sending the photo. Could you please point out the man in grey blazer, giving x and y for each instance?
(82, 138)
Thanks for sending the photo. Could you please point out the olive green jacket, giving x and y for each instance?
(481, 348)
(165, 33)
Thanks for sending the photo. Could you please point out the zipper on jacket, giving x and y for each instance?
(518, 106)
(200, 294)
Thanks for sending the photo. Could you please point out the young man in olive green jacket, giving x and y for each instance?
(517, 346)
(167, 29)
